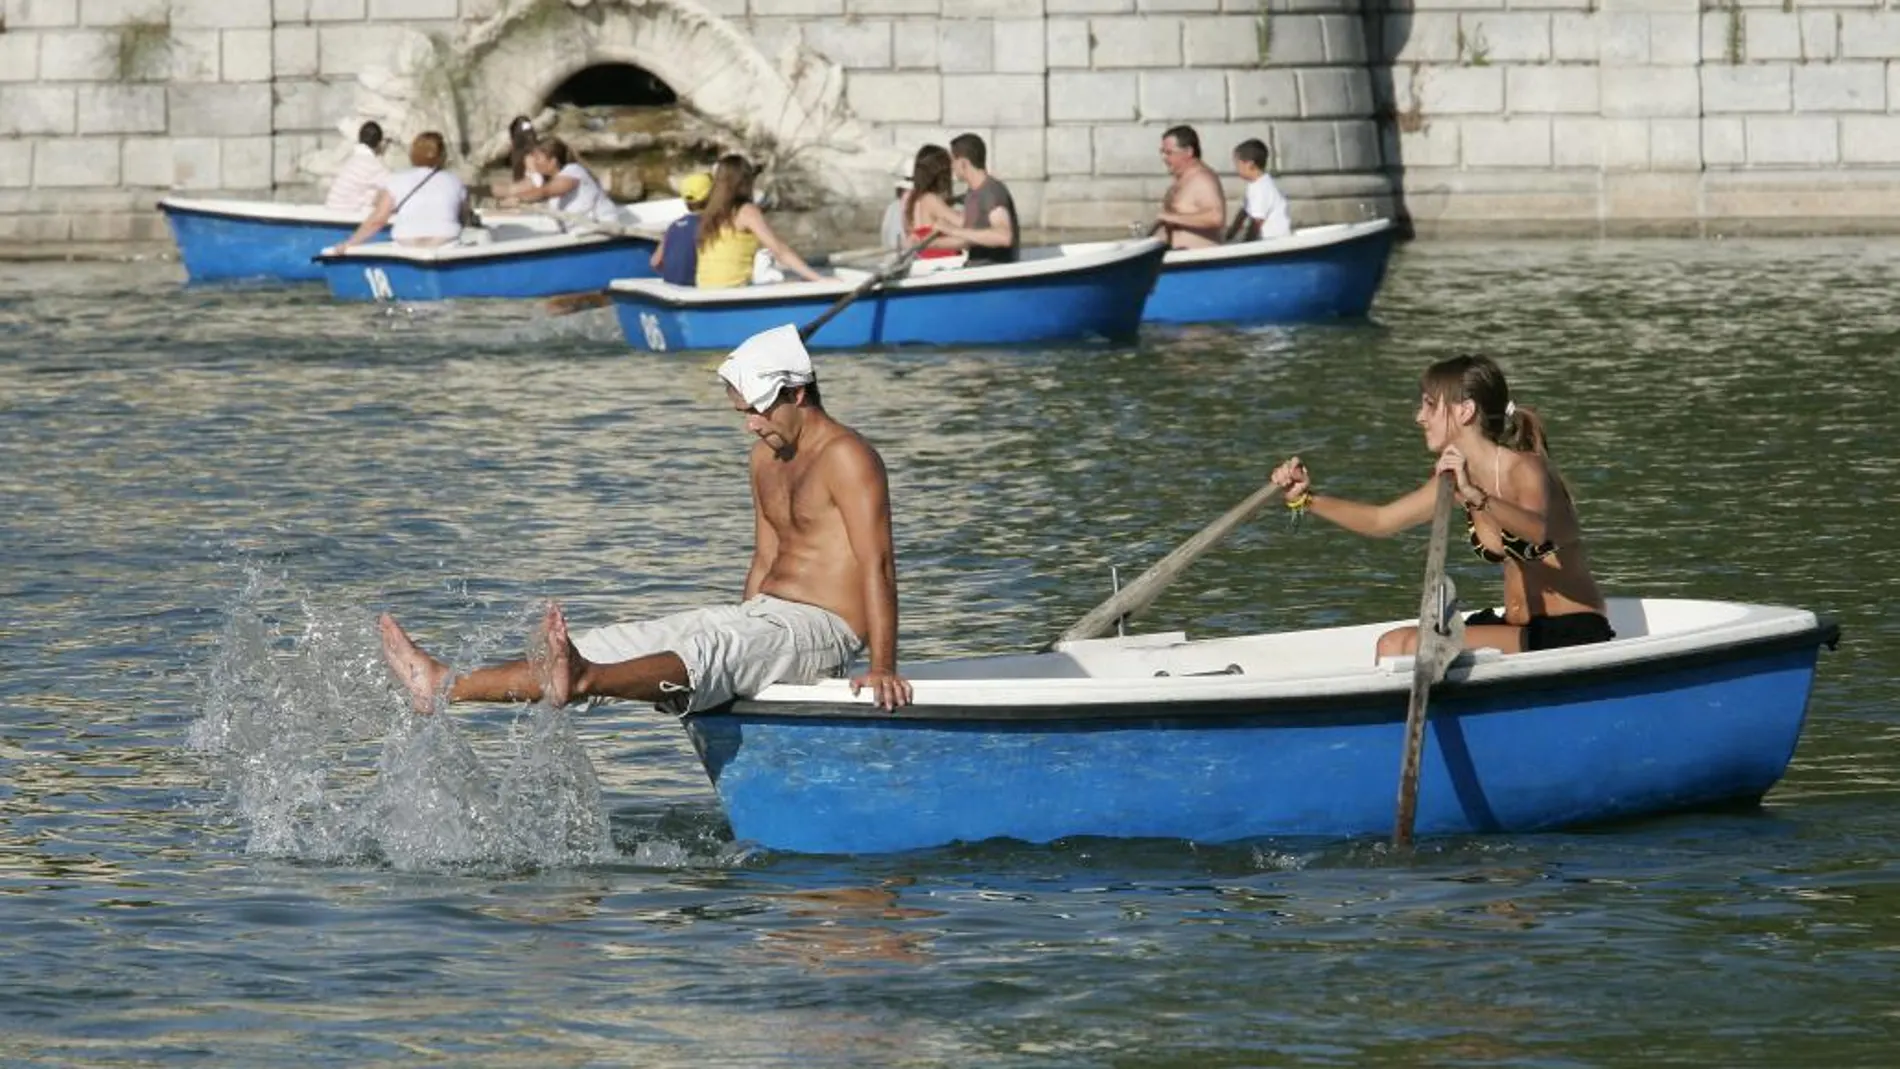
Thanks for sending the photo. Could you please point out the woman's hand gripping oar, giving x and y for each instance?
(1142, 593)
(1441, 635)
(897, 267)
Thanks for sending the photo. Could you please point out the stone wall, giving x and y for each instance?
(1644, 116)
(1565, 116)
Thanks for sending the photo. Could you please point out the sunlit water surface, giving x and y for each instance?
(220, 838)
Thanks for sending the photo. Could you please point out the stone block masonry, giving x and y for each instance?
(1512, 116)
(1741, 117)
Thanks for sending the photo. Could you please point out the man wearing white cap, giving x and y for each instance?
(822, 588)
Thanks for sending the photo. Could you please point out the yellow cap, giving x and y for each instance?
(696, 186)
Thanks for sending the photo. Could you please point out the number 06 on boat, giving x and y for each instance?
(1695, 704)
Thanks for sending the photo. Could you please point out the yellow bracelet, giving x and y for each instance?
(1300, 503)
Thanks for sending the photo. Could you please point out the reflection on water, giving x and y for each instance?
(219, 832)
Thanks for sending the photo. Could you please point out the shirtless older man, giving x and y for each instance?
(822, 586)
(1195, 209)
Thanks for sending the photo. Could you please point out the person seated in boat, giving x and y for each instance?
(1518, 512)
(521, 142)
(355, 186)
(567, 183)
(676, 258)
(989, 229)
(1195, 208)
(1263, 210)
(423, 205)
(891, 228)
(927, 209)
(732, 229)
(820, 591)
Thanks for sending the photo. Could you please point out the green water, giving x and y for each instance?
(209, 494)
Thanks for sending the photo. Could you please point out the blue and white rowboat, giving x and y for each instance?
(265, 241)
(1695, 704)
(253, 241)
(510, 262)
(1312, 275)
(1092, 294)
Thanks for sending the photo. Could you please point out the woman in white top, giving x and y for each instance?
(422, 205)
(354, 189)
(572, 187)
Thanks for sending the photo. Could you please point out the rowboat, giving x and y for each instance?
(1312, 275)
(1091, 294)
(502, 260)
(253, 241)
(265, 241)
(1695, 704)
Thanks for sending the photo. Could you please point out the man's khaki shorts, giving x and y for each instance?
(733, 651)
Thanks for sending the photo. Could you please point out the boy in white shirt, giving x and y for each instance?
(1263, 212)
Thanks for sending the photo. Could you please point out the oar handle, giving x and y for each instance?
(899, 266)
(1142, 593)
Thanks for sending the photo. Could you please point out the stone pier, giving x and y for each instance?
(1470, 116)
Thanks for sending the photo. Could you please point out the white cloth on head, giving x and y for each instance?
(766, 363)
(1267, 204)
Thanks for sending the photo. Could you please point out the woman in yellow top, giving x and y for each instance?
(732, 228)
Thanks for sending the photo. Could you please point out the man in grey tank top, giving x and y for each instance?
(989, 229)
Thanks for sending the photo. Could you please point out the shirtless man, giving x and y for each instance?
(1195, 209)
(822, 586)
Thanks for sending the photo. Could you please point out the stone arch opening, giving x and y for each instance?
(786, 112)
(613, 85)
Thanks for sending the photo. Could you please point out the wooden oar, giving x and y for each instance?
(898, 267)
(1142, 593)
(1440, 638)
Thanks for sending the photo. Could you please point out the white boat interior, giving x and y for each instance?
(1311, 237)
(1170, 667)
(947, 272)
(650, 215)
(501, 238)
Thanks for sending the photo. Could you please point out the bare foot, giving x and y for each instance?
(556, 661)
(420, 674)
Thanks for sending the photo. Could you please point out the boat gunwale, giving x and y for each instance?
(1267, 250)
(655, 293)
(1295, 708)
(494, 252)
(262, 211)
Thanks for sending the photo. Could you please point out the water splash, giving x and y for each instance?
(321, 760)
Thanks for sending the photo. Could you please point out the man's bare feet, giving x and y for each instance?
(420, 674)
(557, 663)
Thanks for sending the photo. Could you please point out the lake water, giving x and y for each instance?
(221, 840)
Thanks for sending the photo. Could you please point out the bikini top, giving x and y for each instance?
(1522, 549)
(1515, 547)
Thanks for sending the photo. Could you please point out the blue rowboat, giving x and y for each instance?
(264, 241)
(1092, 294)
(253, 241)
(507, 261)
(1695, 704)
(1312, 275)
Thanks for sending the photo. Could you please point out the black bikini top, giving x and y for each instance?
(1517, 548)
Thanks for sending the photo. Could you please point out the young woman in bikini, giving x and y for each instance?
(1518, 513)
(927, 205)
